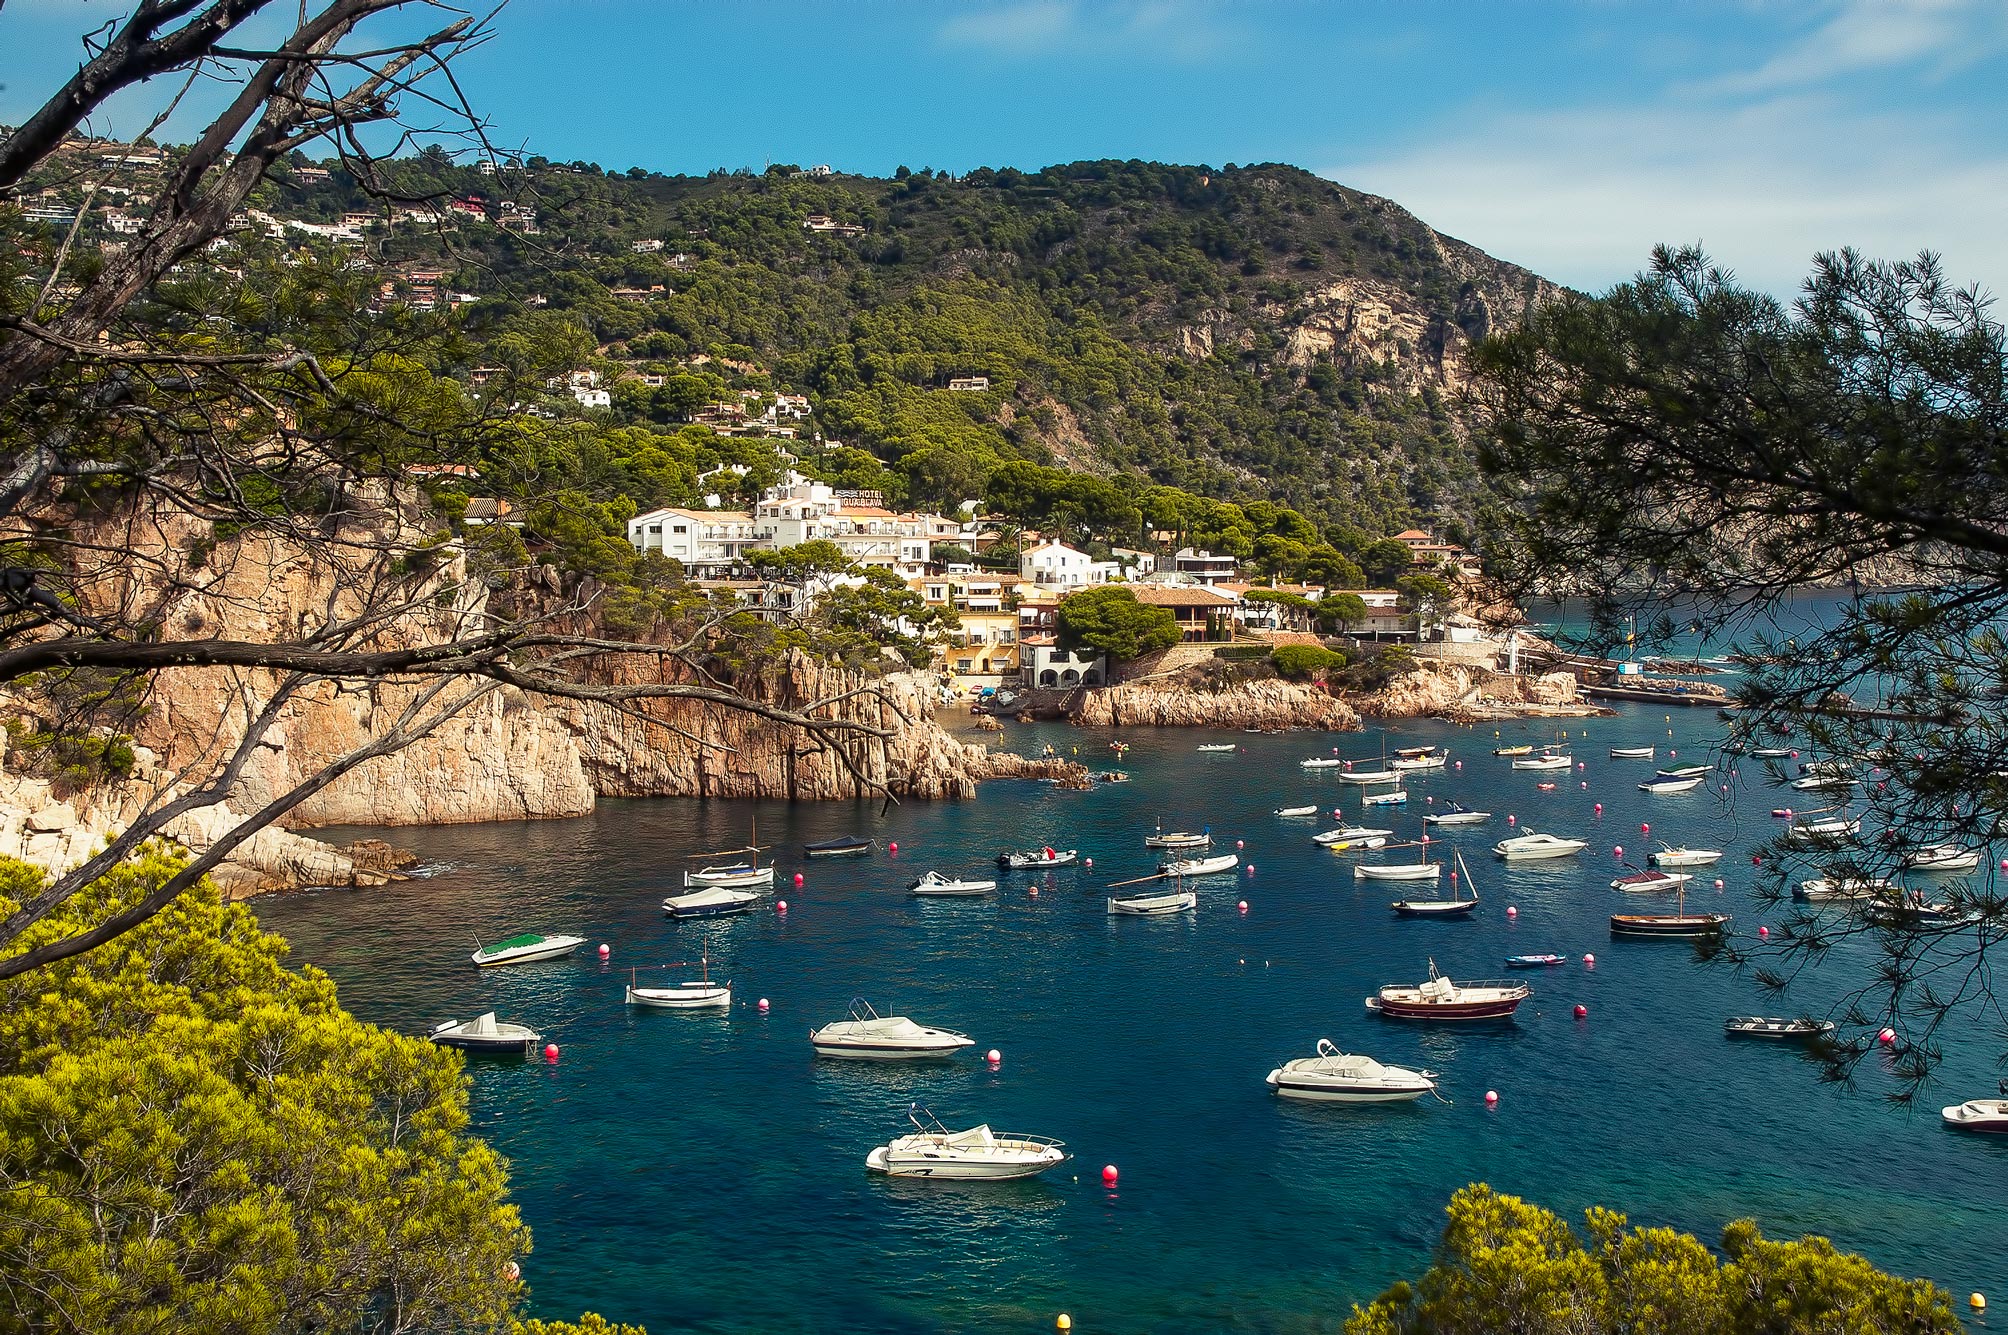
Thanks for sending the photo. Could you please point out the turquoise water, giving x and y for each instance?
(706, 1173)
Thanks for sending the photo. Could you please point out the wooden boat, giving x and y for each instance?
(712, 901)
(935, 885)
(1412, 758)
(1547, 760)
(845, 846)
(698, 994)
(1633, 752)
(1914, 910)
(1324, 762)
(1776, 1028)
(1154, 903)
(1178, 838)
(525, 949)
(1343, 1077)
(1454, 907)
(1438, 998)
(1043, 858)
(1368, 777)
(483, 1034)
(1534, 961)
(1686, 772)
(1422, 869)
(1771, 753)
(1830, 889)
(740, 875)
(1825, 831)
(1680, 924)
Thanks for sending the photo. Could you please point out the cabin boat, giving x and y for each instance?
(483, 1033)
(1913, 910)
(1411, 758)
(1451, 813)
(1344, 1077)
(1633, 752)
(1531, 846)
(525, 949)
(1828, 830)
(1647, 882)
(1820, 783)
(1942, 858)
(1776, 1028)
(976, 1155)
(1348, 837)
(1662, 786)
(1669, 856)
(713, 901)
(869, 1036)
(1035, 861)
(1213, 866)
(1988, 1115)
(934, 884)
(1438, 998)
(698, 994)
(1178, 839)
(844, 846)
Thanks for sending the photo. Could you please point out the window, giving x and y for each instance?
(655, 528)
(681, 528)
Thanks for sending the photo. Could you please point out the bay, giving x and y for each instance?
(706, 1173)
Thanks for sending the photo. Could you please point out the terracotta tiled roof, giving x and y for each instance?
(1172, 595)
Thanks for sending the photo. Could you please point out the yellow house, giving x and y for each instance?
(986, 644)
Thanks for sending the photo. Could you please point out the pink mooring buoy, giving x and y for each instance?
(1644, 827)
(892, 847)
(1886, 1037)
(1109, 1175)
(1512, 912)
(798, 880)
(1763, 931)
(550, 1052)
(1033, 892)
(1600, 808)
(1511, 819)
(1243, 906)
(1088, 863)
(1582, 1012)
(1718, 883)
(1251, 869)
(1491, 1098)
(993, 1056)
(780, 906)
(1618, 851)
(605, 950)
(762, 1007)
(1589, 959)
(1239, 844)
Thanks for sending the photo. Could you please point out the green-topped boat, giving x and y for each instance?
(525, 948)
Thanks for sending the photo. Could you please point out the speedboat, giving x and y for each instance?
(1420, 758)
(1349, 837)
(1685, 772)
(1942, 858)
(526, 948)
(847, 846)
(1450, 813)
(1664, 785)
(1161, 903)
(1819, 783)
(1045, 857)
(935, 884)
(1978, 1115)
(1547, 760)
(1325, 762)
(714, 901)
(1344, 1077)
(1772, 1026)
(1668, 856)
(1311, 810)
(869, 1036)
(1178, 839)
(698, 994)
(1438, 998)
(483, 1034)
(1525, 749)
(1534, 961)
(1825, 889)
(1530, 846)
(1397, 798)
(1632, 752)
(1220, 746)
(976, 1155)
(1646, 882)
(1213, 866)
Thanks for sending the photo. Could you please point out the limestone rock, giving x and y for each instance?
(1180, 704)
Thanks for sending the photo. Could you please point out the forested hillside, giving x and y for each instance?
(1241, 333)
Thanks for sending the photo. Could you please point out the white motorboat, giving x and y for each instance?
(1529, 846)
(1325, 762)
(1450, 813)
(1043, 858)
(1826, 889)
(483, 1034)
(1776, 1027)
(1942, 858)
(1396, 798)
(1633, 752)
(869, 1036)
(1821, 783)
(976, 1155)
(1220, 746)
(1668, 856)
(524, 949)
(1831, 830)
(713, 901)
(1411, 758)
(1827, 769)
(1686, 772)
(1438, 998)
(1213, 866)
(1547, 760)
(1771, 753)
(696, 994)
(1311, 810)
(1662, 786)
(1344, 1077)
(936, 885)
(1990, 1115)
(1638, 882)
(1914, 910)
(1366, 777)
(1349, 837)
(1178, 839)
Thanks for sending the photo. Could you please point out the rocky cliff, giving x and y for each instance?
(1182, 703)
(1469, 694)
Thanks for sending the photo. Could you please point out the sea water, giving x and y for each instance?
(705, 1172)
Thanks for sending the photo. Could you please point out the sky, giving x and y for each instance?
(1567, 137)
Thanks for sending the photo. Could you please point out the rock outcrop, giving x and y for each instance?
(1469, 695)
(1178, 703)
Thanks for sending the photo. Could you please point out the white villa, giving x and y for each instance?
(1054, 565)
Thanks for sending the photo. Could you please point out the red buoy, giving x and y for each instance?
(550, 1052)
(1582, 1012)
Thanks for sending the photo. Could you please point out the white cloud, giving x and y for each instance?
(1024, 28)
(1582, 196)
(1872, 35)
(1183, 30)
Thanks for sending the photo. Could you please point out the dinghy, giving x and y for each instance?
(1311, 810)
(1043, 858)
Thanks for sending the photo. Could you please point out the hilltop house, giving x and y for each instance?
(1060, 567)
(705, 541)
(987, 642)
(1204, 566)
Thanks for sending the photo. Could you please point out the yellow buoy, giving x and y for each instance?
(1067, 1323)
(1978, 1302)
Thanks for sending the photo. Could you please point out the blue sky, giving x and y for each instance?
(1567, 137)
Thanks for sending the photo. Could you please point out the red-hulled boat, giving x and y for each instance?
(1441, 999)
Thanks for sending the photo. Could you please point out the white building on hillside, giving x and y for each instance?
(702, 540)
(1055, 565)
(1205, 567)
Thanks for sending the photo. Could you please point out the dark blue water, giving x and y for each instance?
(707, 1173)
